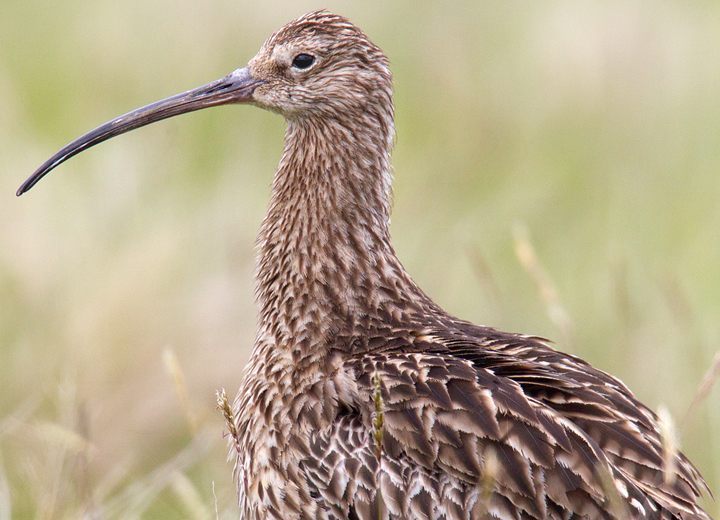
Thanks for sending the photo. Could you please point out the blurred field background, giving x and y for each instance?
(557, 173)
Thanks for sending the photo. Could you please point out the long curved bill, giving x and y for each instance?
(237, 87)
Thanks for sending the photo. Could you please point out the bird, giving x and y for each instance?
(362, 398)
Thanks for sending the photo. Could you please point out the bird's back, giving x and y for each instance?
(439, 418)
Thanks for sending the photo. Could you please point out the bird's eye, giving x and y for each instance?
(303, 61)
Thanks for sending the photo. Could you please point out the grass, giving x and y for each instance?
(584, 136)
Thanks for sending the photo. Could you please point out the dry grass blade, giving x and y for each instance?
(5, 501)
(708, 380)
(19, 416)
(378, 415)
(66, 449)
(484, 274)
(488, 479)
(378, 425)
(188, 494)
(137, 497)
(54, 433)
(525, 252)
(669, 443)
(110, 481)
(217, 515)
(614, 501)
(224, 406)
(174, 370)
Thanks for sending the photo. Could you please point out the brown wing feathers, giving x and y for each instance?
(544, 415)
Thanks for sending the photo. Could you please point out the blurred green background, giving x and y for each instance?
(585, 133)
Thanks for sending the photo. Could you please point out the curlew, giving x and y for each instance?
(362, 398)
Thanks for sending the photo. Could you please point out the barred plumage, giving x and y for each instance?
(363, 399)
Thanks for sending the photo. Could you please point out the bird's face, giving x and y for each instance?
(319, 65)
(294, 77)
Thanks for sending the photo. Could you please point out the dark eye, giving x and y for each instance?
(303, 61)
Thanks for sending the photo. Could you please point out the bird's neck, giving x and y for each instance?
(326, 259)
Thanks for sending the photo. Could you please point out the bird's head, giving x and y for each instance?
(318, 66)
